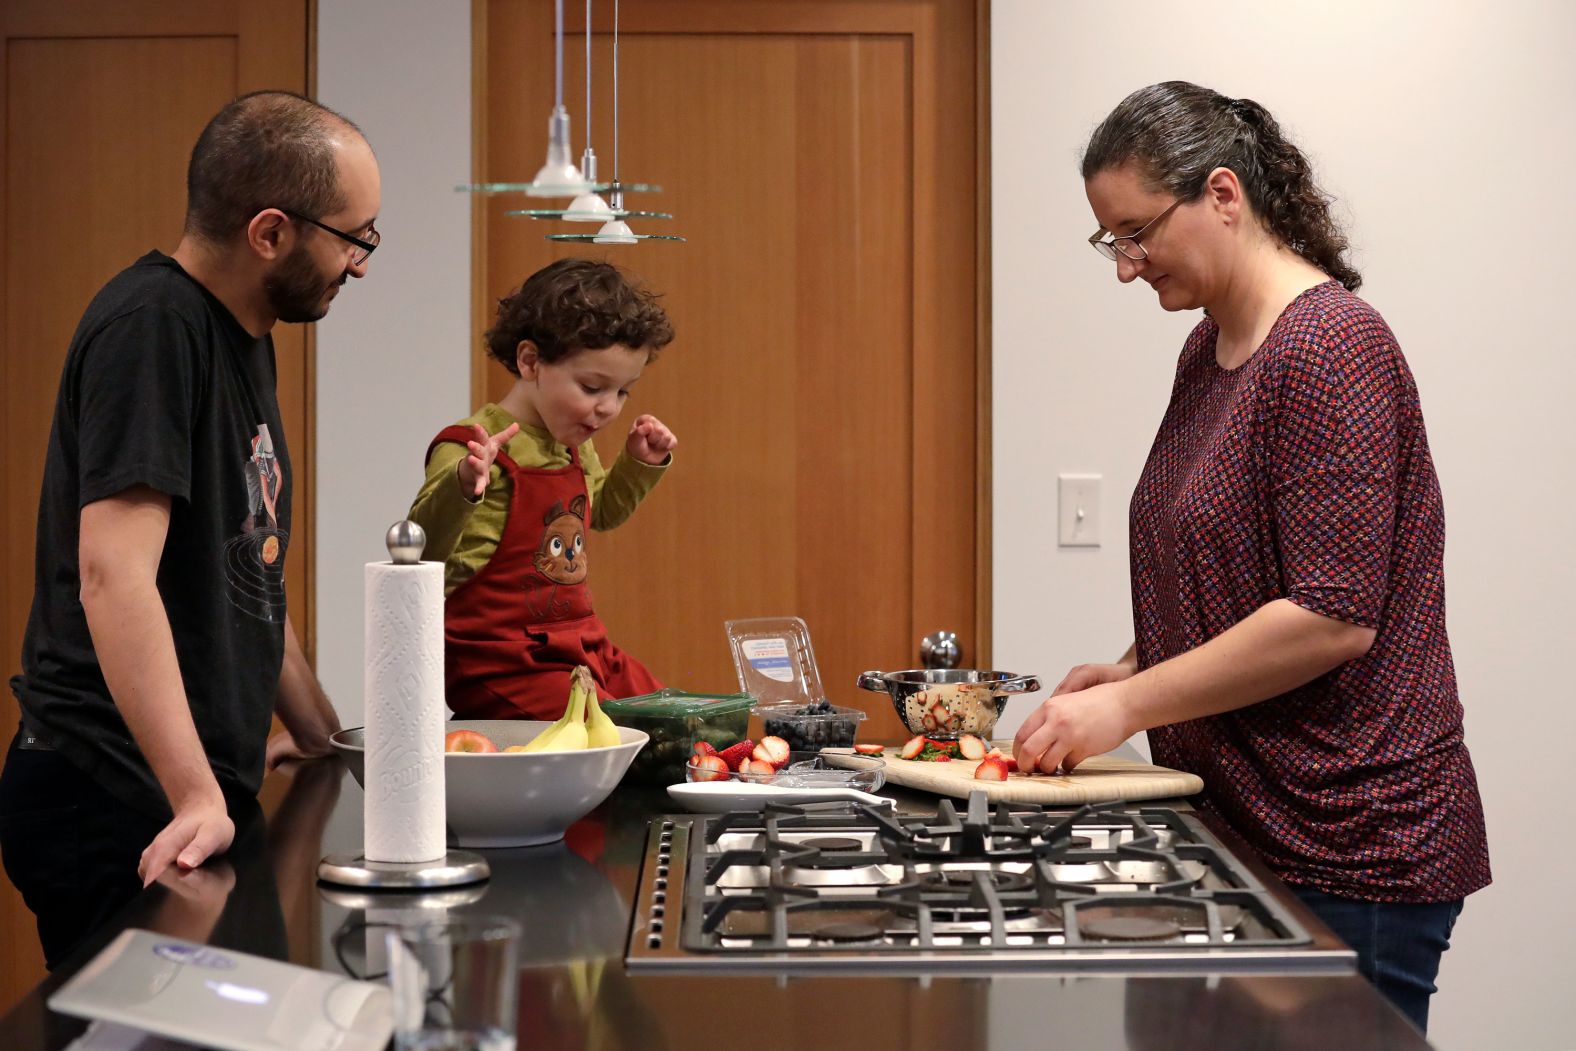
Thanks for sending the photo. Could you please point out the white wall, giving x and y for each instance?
(393, 361)
(1445, 130)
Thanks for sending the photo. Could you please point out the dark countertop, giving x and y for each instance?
(573, 901)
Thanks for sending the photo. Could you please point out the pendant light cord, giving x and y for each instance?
(558, 54)
(615, 91)
(588, 74)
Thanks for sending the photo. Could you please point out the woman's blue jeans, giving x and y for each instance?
(1398, 945)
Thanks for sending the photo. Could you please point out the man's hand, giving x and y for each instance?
(650, 441)
(283, 748)
(477, 463)
(200, 830)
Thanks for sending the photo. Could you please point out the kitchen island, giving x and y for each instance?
(573, 901)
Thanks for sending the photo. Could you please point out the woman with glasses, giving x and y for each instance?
(1287, 539)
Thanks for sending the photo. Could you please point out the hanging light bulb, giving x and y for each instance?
(558, 177)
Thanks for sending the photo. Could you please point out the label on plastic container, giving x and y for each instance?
(769, 657)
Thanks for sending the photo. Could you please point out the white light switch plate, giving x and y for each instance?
(1078, 510)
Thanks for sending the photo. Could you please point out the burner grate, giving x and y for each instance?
(847, 882)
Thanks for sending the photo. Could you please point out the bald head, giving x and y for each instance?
(269, 149)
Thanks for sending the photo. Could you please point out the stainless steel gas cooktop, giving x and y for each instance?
(827, 887)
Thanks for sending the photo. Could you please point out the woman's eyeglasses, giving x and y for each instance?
(1130, 246)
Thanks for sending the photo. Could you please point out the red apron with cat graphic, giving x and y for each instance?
(514, 631)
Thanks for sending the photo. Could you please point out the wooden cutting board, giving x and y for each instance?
(1099, 779)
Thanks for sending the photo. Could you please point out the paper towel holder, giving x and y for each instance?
(457, 868)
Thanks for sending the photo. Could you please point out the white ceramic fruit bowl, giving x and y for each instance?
(515, 799)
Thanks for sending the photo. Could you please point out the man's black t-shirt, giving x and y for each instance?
(163, 387)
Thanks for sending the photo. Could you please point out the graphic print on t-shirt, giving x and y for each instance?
(560, 555)
(254, 561)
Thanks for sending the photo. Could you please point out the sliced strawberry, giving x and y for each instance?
(913, 747)
(943, 759)
(991, 770)
(870, 749)
(735, 754)
(996, 753)
(971, 747)
(757, 768)
(704, 748)
(773, 750)
(1010, 763)
(708, 768)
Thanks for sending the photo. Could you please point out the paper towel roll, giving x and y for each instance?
(403, 684)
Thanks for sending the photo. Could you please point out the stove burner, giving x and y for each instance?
(831, 844)
(963, 879)
(1134, 925)
(847, 932)
(815, 854)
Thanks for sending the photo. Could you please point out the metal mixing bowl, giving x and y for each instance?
(944, 703)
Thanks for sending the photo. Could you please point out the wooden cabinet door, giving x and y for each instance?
(101, 102)
(825, 162)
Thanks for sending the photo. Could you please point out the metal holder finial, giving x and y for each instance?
(405, 540)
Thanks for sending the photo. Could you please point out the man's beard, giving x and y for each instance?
(296, 289)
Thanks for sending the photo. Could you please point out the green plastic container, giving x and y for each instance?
(676, 720)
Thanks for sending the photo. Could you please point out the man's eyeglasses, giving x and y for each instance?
(1130, 245)
(364, 246)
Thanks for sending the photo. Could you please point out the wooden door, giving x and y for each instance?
(101, 102)
(825, 162)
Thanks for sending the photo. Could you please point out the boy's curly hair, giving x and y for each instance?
(573, 305)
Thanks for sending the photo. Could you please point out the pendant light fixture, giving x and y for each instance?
(589, 207)
(615, 230)
(558, 176)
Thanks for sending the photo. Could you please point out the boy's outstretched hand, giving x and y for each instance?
(478, 461)
(650, 441)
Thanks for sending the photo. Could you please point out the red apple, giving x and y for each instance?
(467, 741)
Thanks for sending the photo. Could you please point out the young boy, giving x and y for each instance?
(511, 490)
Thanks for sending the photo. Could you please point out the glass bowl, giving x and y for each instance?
(690, 772)
(812, 770)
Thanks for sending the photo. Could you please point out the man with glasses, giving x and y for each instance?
(159, 647)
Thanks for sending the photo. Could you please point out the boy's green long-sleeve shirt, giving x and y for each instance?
(464, 533)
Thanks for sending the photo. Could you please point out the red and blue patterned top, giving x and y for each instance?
(1304, 474)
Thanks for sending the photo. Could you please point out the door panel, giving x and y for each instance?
(102, 103)
(822, 383)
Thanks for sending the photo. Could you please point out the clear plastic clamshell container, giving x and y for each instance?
(774, 660)
(776, 666)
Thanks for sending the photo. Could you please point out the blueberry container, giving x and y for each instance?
(811, 727)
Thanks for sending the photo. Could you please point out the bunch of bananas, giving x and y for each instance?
(578, 728)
